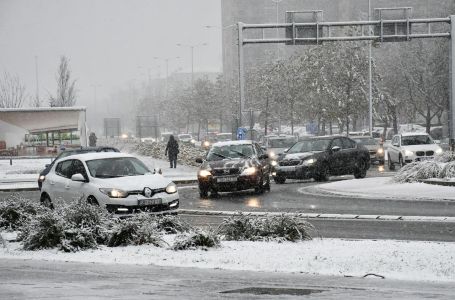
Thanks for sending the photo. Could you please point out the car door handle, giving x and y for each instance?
(67, 187)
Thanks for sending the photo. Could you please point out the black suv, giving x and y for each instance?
(65, 153)
(234, 166)
(320, 157)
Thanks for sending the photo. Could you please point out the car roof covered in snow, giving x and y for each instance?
(413, 133)
(228, 143)
(97, 155)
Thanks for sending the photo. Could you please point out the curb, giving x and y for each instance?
(438, 182)
(320, 216)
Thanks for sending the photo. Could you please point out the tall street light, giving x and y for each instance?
(192, 46)
(166, 60)
(370, 88)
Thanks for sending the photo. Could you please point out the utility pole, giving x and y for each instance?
(370, 81)
(192, 46)
(166, 60)
(241, 72)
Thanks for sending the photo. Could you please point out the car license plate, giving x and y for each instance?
(426, 158)
(287, 169)
(226, 179)
(144, 202)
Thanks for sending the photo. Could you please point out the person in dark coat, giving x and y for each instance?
(92, 140)
(172, 149)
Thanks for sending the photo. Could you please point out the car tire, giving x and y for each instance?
(390, 164)
(260, 188)
(92, 201)
(361, 169)
(279, 179)
(46, 201)
(267, 184)
(322, 174)
(203, 192)
(401, 162)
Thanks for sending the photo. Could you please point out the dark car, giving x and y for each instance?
(374, 147)
(321, 157)
(65, 153)
(234, 166)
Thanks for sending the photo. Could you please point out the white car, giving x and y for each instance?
(119, 182)
(410, 147)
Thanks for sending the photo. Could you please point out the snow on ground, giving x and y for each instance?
(403, 260)
(385, 187)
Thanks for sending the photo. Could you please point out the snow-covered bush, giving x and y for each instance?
(172, 224)
(16, 212)
(187, 153)
(137, 230)
(445, 157)
(418, 171)
(281, 228)
(45, 231)
(196, 240)
(448, 171)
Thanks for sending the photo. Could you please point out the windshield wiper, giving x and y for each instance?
(219, 155)
(108, 176)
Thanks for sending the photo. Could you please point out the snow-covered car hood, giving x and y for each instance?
(293, 156)
(426, 147)
(230, 163)
(133, 183)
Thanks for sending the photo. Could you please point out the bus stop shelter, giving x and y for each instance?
(44, 120)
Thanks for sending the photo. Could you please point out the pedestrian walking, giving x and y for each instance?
(92, 140)
(172, 150)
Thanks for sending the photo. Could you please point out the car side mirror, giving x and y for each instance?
(336, 148)
(286, 150)
(396, 145)
(199, 160)
(78, 177)
(46, 166)
(263, 148)
(158, 171)
(263, 156)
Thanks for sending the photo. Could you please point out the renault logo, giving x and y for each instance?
(147, 192)
(226, 171)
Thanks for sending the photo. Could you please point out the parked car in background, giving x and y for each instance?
(69, 152)
(321, 157)
(410, 147)
(185, 138)
(119, 182)
(374, 147)
(234, 166)
(223, 137)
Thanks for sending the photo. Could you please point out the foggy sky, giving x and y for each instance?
(110, 43)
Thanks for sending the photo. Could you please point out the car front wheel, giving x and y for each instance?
(390, 164)
(361, 170)
(46, 201)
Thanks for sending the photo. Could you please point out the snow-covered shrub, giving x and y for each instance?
(196, 240)
(283, 227)
(448, 171)
(137, 230)
(445, 157)
(45, 231)
(78, 238)
(418, 171)
(15, 212)
(172, 224)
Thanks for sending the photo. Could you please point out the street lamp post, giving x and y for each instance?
(192, 46)
(370, 81)
(166, 60)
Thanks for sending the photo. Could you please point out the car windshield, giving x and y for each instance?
(230, 151)
(416, 140)
(281, 143)
(310, 146)
(184, 136)
(116, 167)
(366, 141)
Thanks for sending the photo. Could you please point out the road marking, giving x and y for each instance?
(319, 216)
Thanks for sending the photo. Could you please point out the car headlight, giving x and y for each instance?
(272, 154)
(114, 193)
(309, 162)
(249, 171)
(274, 163)
(206, 144)
(193, 141)
(171, 188)
(204, 173)
(380, 151)
(408, 153)
(438, 151)
(41, 178)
